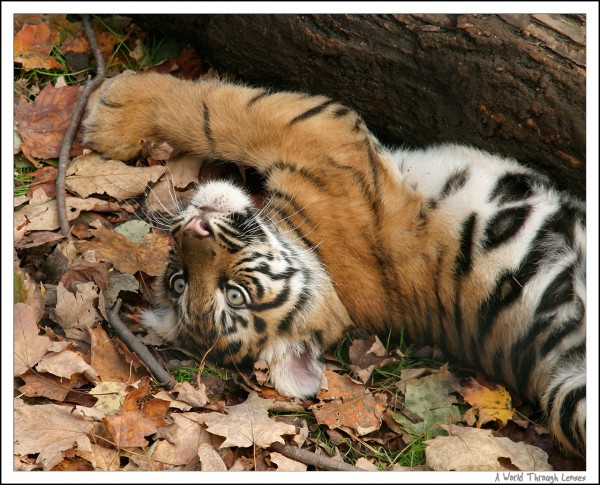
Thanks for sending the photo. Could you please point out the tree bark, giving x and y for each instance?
(511, 84)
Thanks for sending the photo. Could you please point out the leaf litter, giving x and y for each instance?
(84, 401)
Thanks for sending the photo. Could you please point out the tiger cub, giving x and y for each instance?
(460, 248)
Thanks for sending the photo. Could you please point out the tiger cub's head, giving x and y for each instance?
(236, 287)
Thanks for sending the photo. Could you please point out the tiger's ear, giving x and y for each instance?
(295, 370)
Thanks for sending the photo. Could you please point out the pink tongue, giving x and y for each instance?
(198, 226)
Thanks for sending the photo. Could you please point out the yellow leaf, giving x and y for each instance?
(488, 404)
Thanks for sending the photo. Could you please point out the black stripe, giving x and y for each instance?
(506, 291)
(567, 413)
(263, 268)
(524, 352)
(286, 323)
(455, 182)
(306, 174)
(463, 260)
(512, 187)
(255, 98)
(360, 179)
(310, 112)
(503, 226)
(279, 300)
(234, 347)
(341, 111)
(441, 309)
(557, 293)
(259, 324)
(260, 291)
(207, 128)
(228, 244)
(241, 320)
(558, 334)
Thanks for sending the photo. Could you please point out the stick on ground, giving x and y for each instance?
(65, 148)
(163, 378)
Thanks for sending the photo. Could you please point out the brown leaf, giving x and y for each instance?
(101, 458)
(285, 464)
(33, 44)
(346, 404)
(178, 443)
(248, 424)
(29, 347)
(75, 313)
(44, 180)
(140, 418)
(110, 364)
(44, 217)
(48, 429)
(42, 125)
(46, 385)
(188, 394)
(92, 174)
(110, 397)
(63, 364)
(127, 256)
(82, 271)
(367, 355)
(160, 151)
(210, 460)
(477, 449)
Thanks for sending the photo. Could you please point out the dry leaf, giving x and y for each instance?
(366, 356)
(285, 464)
(44, 217)
(148, 256)
(188, 394)
(178, 443)
(110, 364)
(477, 449)
(47, 385)
(488, 404)
(118, 282)
(348, 405)
(75, 313)
(160, 151)
(366, 464)
(33, 44)
(42, 125)
(29, 347)
(63, 364)
(48, 429)
(139, 418)
(110, 397)
(101, 458)
(429, 404)
(210, 460)
(248, 424)
(92, 174)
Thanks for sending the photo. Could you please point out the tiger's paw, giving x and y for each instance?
(120, 115)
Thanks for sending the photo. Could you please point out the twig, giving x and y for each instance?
(163, 378)
(310, 458)
(65, 148)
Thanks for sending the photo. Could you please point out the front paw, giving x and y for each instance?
(119, 117)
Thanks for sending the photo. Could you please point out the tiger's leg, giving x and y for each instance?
(221, 121)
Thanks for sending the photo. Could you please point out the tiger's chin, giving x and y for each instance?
(295, 369)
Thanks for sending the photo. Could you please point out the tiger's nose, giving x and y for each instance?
(199, 225)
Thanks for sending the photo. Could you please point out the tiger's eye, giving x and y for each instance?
(178, 285)
(235, 297)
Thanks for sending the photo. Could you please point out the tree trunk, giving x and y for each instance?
(512, 84)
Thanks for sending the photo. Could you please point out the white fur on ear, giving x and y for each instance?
(294, 369)
(163, 321)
